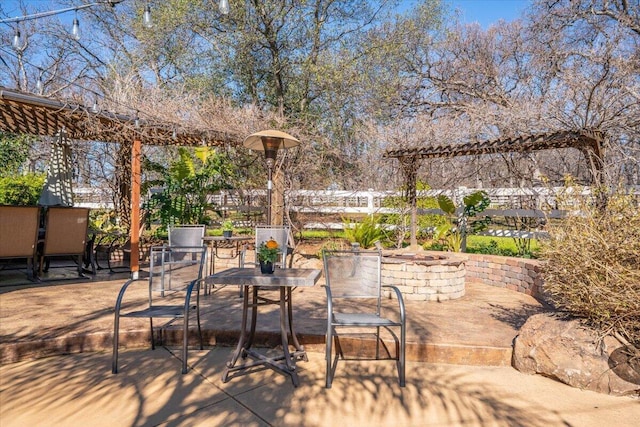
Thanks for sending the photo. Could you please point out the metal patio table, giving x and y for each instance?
(284, 280)
(214, 243)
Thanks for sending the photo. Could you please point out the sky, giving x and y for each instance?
(485, 12)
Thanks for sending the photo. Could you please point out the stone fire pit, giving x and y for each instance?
(424, 276)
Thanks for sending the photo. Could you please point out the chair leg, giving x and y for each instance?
(329, 359)
(199, 328)
(402, 360)
(153, 343)
(114, 358)
(185, 341)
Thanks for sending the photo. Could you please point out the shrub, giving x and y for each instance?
(592, 268)
(401, 222)
(21, 190)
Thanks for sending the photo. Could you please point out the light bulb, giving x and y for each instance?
(95, 108)
(224, 7)
(18, 42)
(75, 31)
(146, 19)
(39, 85)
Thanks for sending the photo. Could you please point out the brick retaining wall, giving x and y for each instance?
(517, 274)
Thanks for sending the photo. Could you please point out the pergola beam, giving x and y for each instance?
(590, 142)
(545, 141)
(24, 113)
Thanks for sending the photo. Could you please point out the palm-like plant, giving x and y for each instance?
(366, 232)
(454, 231)
(186, 185)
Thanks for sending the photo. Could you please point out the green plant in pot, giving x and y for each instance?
(227, 228)
(268, 253)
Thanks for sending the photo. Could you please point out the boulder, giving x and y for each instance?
(568, 352)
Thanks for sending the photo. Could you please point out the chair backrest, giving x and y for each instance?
(174, 267)
(278, 233)
(186, 235)
(65, 231)
(18, 231)
(353, 274)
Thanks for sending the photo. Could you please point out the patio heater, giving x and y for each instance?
(270, 141)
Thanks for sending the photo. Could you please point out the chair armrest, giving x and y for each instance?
(187, 299)
(329, 300)
(123, 289)
(400, 301)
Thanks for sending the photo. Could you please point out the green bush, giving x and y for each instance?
(21, 190)
(503, 246)
(402, 221)
(592, 268)
(14, 151)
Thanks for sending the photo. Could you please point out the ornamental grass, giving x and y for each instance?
(592, 265)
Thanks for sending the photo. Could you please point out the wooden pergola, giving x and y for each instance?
(589, 142)
(24, 113)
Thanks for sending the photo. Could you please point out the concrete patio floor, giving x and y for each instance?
(458, 373)
(79, 390)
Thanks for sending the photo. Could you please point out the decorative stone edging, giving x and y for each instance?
(424, 276)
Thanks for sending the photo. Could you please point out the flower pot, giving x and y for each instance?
(227, 233)
(267, 267)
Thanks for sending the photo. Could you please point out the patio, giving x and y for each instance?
(78, 389)
(477, 329)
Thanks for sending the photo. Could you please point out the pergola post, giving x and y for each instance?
(135, 207)
(410, 169)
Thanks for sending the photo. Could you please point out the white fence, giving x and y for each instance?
(518, 203)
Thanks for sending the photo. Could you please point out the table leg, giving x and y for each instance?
(240, 348)
(288, 360)
(294, 338)
(254, 314)
(284, 364)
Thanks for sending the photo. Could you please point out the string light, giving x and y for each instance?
(223, 6)
(75, 31)
(146, 19)
(19, 43)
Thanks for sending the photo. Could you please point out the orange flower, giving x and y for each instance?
(269, 251)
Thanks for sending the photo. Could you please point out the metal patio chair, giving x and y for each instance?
(354, 303)
(65, 234)
(179, 253)
(19, 230)
(263, 233)
(179, 302)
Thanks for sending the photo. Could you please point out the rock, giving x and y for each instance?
(568, 352)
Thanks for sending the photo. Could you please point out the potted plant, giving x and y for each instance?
(268, 253)
(227, 228)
